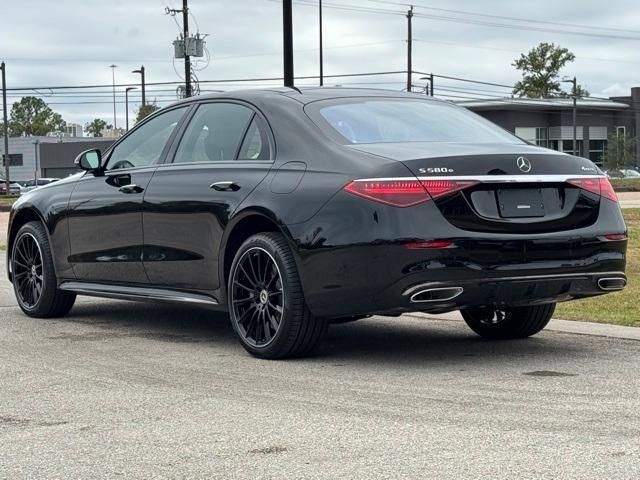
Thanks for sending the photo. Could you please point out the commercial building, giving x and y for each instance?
(549, 122)
(38, 157)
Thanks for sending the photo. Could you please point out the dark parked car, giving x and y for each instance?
(293, 209)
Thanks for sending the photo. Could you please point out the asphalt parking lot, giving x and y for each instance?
(128, 390)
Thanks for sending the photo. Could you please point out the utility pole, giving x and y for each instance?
(3, 67)
(142, 81)
(574, 94)
(187, 59)
(113, 82)
(126, 105)
(321, 55)
(409, 47)
(287, 33)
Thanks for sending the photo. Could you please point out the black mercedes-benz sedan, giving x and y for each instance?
(292, 209)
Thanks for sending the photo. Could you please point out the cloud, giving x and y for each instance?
(75, 45)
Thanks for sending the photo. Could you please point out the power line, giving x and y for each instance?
(501, 17)
(470, 21)
(221, 81)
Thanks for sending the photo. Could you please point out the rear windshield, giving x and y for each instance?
(384, 120)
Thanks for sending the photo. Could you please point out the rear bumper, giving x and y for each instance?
(513, 291)
(352, 260)
(390, 279)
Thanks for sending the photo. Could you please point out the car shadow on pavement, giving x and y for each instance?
(400, 341)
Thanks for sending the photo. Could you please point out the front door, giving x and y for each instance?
(223, 155)
(105, 210)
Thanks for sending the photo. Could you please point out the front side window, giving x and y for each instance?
(143, 146)
(214, 133)
(394, 120)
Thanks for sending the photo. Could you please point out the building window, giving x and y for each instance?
(596, 150)
(542, 137)
(15, 160)
(621, 131)
(566, 146)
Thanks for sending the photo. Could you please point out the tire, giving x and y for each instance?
(34, 277)
(509, 323)
(266, 303)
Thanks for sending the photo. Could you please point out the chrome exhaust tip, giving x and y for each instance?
(436, 294)
(611, 284)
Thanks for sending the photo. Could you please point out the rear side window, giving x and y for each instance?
(256, 143)
(215, 133)
(393, 120)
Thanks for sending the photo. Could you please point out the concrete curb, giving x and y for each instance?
(560, 326)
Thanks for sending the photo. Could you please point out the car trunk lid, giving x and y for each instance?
(507, 188)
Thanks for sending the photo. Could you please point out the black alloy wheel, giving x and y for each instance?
(28, 270)
(33, 274)
(258, 297)
(266, 302)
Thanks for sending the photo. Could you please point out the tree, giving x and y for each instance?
(620, 152)
(146, 110)
(32, 116)
(96, 127)
(540, 69)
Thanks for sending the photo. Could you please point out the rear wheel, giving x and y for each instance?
(266, 302)
(33, 275)
(508, 323)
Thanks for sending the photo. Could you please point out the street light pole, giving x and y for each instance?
(409, 48)
(113, 82)
(429, 88)
(35, 171)
(574, 94)
(6, 126)
(126, 105)
(142, 81)
(321, 53)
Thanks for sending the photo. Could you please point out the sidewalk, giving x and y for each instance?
(560, 326)
(629, 199)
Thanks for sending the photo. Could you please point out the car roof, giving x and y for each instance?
(306, 95)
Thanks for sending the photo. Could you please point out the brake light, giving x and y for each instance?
(599, 186)
(406, 193)
(440, 188)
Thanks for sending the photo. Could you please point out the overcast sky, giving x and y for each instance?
(72, 42)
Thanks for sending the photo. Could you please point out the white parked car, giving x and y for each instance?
(31, 184)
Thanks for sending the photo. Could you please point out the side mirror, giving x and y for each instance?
(89, 160)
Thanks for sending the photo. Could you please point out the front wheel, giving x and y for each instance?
(266, 303)
(34, 277)
(508, 323)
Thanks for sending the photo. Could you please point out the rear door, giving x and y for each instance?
(224, 152)
(105, 209)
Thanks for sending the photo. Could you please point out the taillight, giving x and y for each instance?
(440, 188)
(399, 193)
(406, 193)
(599, 186)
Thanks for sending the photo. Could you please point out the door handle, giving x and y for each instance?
(131, 188)
(225, 186)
